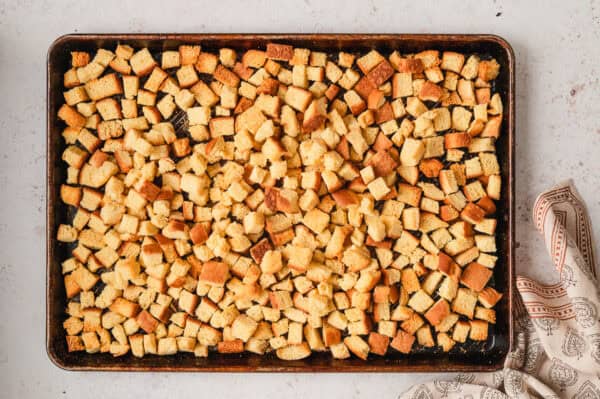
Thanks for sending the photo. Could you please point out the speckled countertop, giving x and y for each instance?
(558, 137)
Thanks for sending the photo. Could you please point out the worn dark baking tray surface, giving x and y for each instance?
(473, 356)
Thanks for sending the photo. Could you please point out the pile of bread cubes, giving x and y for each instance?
(307, 201)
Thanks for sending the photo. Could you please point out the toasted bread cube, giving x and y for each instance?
(476, 276)
(378, 343)
(298, 98)
(382, 71)
(91, 71)
(402, 85)
(482, 144)
(406, 244)
(367, 281)
(316, 220)
(79, 58)
(412, 152)
(299, 77)
(149, 343)
(349, 79)
(487, 260)
(357, 346)
(495, 105)
(136, 342)
(92, 319)
(445, 342)
(186, 76)
(410, 218)
(489, 163)
(214, 273)
(146, 98)
(280, 52)
(488, 70)
(295, 333)
(409, 280)
(415, 107)
(465, 302)
(130, 86)
(129, 108)
(457, 140)
(434, 147)
(142, 62)
(331, 335)
(280, 300)
(356, 258)
(188, 301)
(271, 262)
(71, 117)
(488, 297)
(369, 61)
(75, 343)
(167, 346)
(354, 102)
(226, 76)
(472, 214)
(452, 61)
(461, 331)
(378, 188)
(448, 181)
(449, 288)
(221, 126)
(447, 323)
(473, 168)
(403, 342)
(103, 57)
(109, 109)
(84, 278)
(339, 351)
(470, 68)
(71, 79)
(294, 352)
(467, 256)
(76, 95)
(188, 54)
(420, 301)
(106, 86)
(333, 72)
(258, 346)
(438, 312)
(243, 327)
(430, 92)
(461, 119)
(170, 59)
(206, 62)
(70, 195)
(485, 243)
(124, 307)
(73, 325)
(494, 187)
(485, 314)
(424, 337)
(411, 321)
(479, 330)
(315, 115)
(409, 194)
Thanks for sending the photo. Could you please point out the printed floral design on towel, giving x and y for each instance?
(573, 344)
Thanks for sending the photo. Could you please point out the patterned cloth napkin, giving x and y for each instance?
(556, 350)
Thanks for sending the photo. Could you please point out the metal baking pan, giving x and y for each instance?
(484, 356)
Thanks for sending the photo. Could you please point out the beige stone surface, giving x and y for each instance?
(558, 137)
